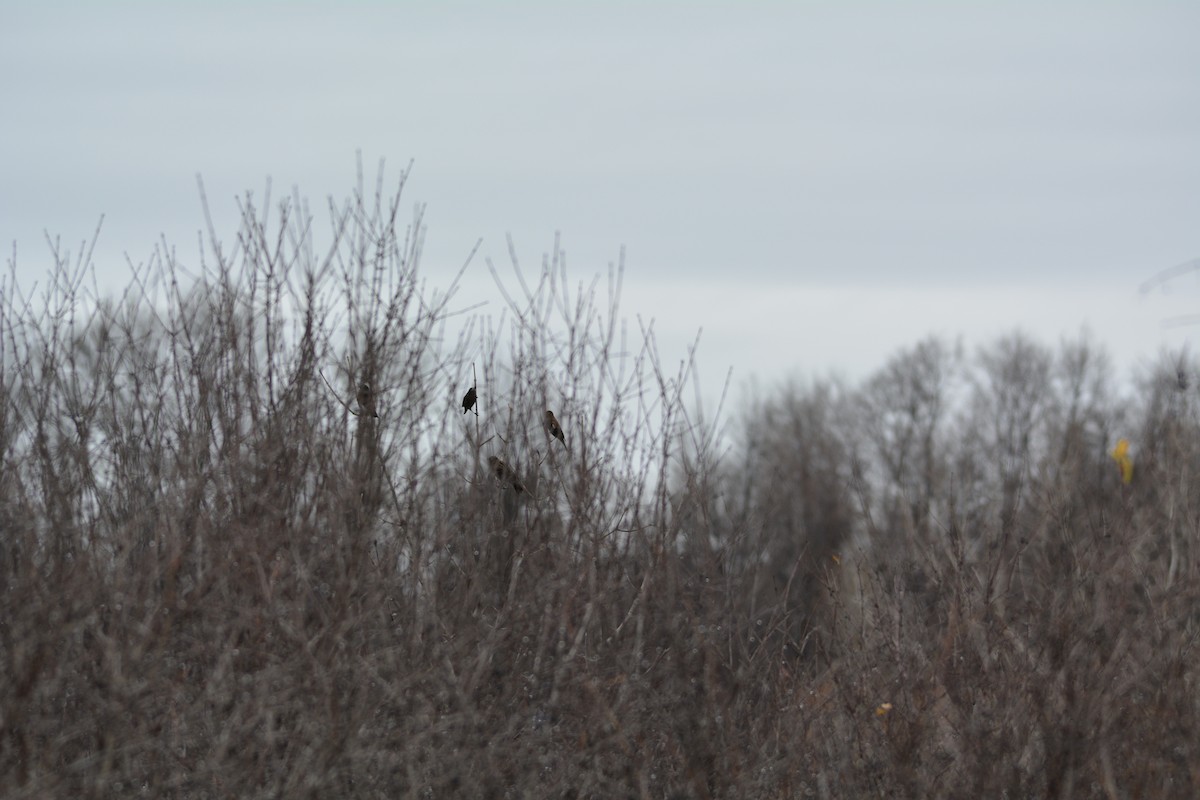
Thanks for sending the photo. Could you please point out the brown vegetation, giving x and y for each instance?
(224, 576)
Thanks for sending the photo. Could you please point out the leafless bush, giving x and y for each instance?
(1035, 637)
(253, 546)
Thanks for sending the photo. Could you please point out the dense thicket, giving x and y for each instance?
(221, 578)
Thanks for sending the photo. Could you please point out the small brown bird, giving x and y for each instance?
(469, 400)
(554, 428)
(505, 473)
(366, 399)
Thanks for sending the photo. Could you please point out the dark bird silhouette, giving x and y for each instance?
(469, 400)
(554, 428)
(505, 473)
(366, 399)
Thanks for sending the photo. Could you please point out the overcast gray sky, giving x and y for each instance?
(814, 184)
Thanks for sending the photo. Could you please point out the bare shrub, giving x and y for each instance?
(1032, 644)
(253, 546)
(228, 571)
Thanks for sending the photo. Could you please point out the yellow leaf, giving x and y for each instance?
(883, 709)
(1120, 454)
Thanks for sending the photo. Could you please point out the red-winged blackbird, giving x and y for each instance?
(469, 400)
(505, 473)
(366, 399)
(554, 428)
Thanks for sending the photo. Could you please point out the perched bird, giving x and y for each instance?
(554, 428)
(366, 400)
(469, 400)
(505, 473)
(1181, 380)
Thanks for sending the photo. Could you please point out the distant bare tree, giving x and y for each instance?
(903, 411)
(1003, 430)
(1076, 477)
(792, 494)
